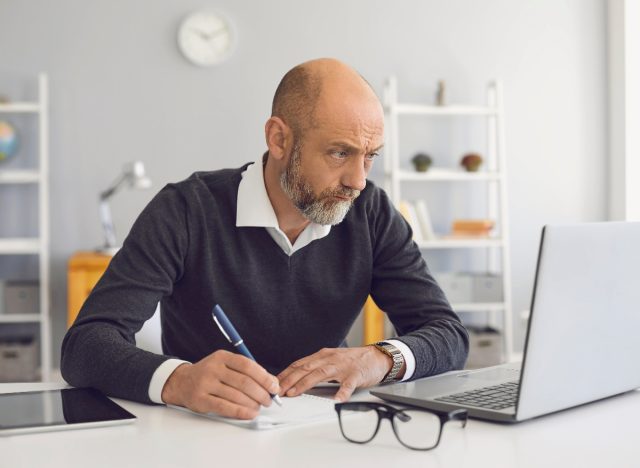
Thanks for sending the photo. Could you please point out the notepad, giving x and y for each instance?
(303, 409)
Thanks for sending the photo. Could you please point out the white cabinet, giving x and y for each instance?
(36, 175)
(492, 176)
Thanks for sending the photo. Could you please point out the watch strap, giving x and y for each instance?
(396, 357)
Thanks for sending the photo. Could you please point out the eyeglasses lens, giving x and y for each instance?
(358, 423)
(417, 429)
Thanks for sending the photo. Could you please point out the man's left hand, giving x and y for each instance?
(351, 367)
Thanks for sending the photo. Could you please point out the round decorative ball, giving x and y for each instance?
(471, 162)
(8, 140)
(421, 162)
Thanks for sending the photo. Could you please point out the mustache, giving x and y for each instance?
(343, 192)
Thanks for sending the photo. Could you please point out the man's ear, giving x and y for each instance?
(278, 136)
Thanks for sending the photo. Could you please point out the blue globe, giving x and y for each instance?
(8, 140)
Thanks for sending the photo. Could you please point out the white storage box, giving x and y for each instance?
(458, 287)
(487, 288)
(485, 348)
(18, 359)
(21, 297)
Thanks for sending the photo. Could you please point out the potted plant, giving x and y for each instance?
(471, 162)
(421, 162)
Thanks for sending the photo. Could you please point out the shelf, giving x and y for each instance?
(448, 174)
(19, 107)
(492, 178)
(453, 110)
(20, 318)
(19, 176)
(38, 241)
(461, 243)
(19, 245)
(478, 306)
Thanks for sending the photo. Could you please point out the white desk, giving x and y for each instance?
(602, 434)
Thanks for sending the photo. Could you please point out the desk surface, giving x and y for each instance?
(604, 433)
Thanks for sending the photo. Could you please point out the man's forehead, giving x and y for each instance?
(355, 133)
(357, 147)
(350, 116)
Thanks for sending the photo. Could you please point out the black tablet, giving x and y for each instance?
(53, 410)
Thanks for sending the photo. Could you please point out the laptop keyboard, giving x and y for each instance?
(496, 397)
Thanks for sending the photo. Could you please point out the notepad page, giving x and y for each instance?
(302, 409)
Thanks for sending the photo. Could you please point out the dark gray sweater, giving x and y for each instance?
(186, 251)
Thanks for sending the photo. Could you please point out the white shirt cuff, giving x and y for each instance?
(409, 358)
(160, 377)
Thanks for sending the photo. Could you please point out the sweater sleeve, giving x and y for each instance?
(403, 287)
(99, 349)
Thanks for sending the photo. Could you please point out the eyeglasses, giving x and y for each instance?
(415, 428)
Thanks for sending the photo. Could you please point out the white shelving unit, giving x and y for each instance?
(39, 245)
(493, 176)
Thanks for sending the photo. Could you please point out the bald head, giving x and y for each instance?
(326, 129)
(298, 95)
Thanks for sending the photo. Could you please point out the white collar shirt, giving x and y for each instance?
(255, 210)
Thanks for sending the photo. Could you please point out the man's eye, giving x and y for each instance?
(372, 156)
(340, 154)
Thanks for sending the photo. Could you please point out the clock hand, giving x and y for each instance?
(200, 33)
(216, 32)
(210, 35)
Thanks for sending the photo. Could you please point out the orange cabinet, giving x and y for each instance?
(373, 322)
(84, 271)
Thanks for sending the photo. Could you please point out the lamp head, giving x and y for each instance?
(135, 174)
(132, 176)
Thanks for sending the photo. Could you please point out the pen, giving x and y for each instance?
(230, 333)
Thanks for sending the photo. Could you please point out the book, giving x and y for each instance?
(472, 227)
(424, 219)
(303, 409)
(408, 211)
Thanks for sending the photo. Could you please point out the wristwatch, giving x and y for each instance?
(396, 356)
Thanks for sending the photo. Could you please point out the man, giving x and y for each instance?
(290, 247)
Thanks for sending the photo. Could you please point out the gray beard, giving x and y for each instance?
(323, 209)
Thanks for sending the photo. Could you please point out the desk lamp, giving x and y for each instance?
(133, 176)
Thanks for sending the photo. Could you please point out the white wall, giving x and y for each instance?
(121, 91)
(624, 108)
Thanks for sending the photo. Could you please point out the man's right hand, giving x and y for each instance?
(223, 383)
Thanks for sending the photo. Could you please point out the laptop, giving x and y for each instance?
(581, 344)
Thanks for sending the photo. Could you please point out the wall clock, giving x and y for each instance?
(206, 38)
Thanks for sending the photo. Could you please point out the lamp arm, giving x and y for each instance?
(107, 223)
(113, 188)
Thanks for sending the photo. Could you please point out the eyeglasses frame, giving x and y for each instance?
(385, 411)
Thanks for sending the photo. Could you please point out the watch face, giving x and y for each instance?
(206, 38)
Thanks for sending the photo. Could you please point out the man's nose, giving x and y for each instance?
(356, 175)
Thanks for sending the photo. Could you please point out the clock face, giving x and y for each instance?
(206, 38)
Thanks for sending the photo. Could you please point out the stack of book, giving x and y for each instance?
(472, 227)
(417, 215)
